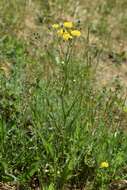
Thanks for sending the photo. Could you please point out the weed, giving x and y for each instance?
(58, 129)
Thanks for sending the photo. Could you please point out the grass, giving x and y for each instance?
(58, 121)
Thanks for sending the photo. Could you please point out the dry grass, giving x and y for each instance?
(4, 186)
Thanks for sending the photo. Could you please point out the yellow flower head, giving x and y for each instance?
(60, 32)
(76, 33)
(55, 26)
(68, 24)
(104, 165)
(66, 36)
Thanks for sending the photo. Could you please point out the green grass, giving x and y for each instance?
(57, 122)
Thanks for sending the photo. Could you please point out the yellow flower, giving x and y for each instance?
(68, 24)
(60, 32)
(66, 36)
(55, 26)
(104, 165)
(76, 33)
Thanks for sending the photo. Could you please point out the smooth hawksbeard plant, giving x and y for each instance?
(66, 31)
